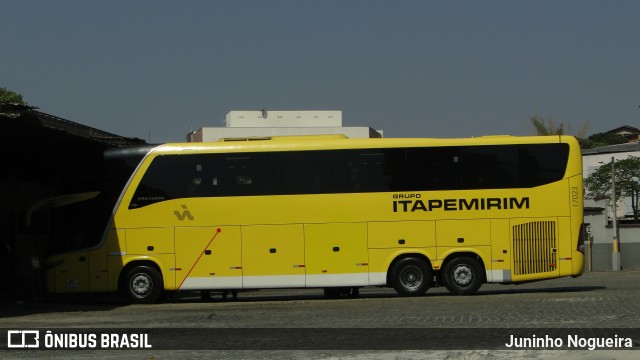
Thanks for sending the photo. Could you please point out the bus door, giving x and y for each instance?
(75, 228)
(273, 256)
(336, 254)
(70, 272)
(80, 271)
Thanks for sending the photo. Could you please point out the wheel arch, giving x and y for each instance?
(405, 256)
(130, 265)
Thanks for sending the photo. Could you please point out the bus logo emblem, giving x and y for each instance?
(184, 214)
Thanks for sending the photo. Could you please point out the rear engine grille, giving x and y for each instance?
(534, 247)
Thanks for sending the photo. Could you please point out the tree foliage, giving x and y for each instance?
(548, 126)
(10, 97)
(605, 139)
(627, 180)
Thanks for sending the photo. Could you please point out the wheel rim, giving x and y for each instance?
(141, 285)
(462, 275)
(411, 277)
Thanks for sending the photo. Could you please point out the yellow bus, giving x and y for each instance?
(338, 214)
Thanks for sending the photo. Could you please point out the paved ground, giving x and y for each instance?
(594, 301)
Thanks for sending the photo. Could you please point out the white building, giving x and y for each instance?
(598, 214)
(264, 123)
(592, 159)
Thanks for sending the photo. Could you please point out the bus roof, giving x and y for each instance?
(333, 141)
(286, 137)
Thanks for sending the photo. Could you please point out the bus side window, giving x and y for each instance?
(195, 187)
(155, 184)
(433, 168)
(311, 172)
(244, 180)
(169, 177)
(541, 164)
(489, 167)
(246, 175)
(529, 168)
(380, 170)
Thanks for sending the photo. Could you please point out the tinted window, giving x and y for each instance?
(519, 166)
(433, 168)
(485, 167)
(311, 172)
(351, 171)
(542, 163)
(380, 170)
(337, 171)
(489, 167)
(202, 175)
(236, 175)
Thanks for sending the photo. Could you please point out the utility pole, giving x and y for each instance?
(615, 256)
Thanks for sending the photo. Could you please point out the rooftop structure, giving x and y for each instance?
(265, 123)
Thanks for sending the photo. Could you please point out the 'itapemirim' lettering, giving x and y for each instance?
(505, 203)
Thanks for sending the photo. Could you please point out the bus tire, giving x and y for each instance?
(411, 277)
(143, 285)
(462, 276)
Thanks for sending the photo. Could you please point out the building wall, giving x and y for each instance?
(592, 161)
(214, 134)
(64, 158)
(286, 118)
(266, 123)
(600, 247)
(196, 136)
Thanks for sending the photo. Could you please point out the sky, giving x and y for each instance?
(157, 70)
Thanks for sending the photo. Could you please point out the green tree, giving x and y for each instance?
(10, 97)
(627, 176)
(604, 139)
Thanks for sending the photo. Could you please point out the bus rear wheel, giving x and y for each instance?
(143, 285)
(411, 277)
(462, 276)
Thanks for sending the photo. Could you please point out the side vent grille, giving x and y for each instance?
(534, 247)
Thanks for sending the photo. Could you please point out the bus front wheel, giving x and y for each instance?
(144, 285)
(411, 277)
(462, 276)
